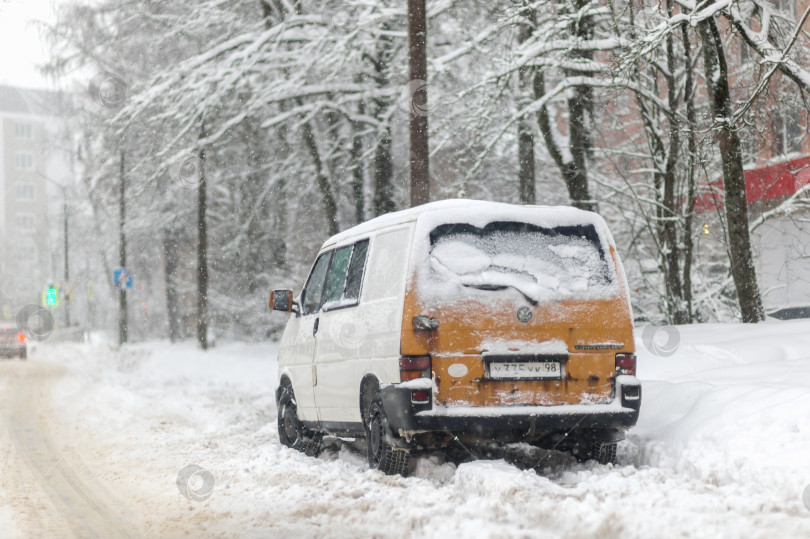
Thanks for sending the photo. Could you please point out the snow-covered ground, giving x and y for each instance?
(722, 448)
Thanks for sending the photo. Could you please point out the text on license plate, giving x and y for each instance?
(528, 369)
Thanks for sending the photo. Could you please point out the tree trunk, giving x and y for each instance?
(417, 69)
(202, 252)
(670, 223)
(383, 175)
(278, 254)
(329, 203)
(691, 122)
(123, 327)
(742, 261)
(526, 163)
(526, 180)
(580, 107)
(170, 264)
(383, 166)
(575, 177)
(279, 235)
(358, 170)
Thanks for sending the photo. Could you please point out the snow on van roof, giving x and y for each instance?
(478, 213)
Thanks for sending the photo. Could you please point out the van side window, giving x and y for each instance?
(346, 276)
(313, 291)
(337, 274)
(354, 277)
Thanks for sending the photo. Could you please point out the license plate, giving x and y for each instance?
(525, 370)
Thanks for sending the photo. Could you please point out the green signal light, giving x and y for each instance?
(50, 296)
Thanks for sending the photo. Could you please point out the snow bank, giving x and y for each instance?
(731, 408)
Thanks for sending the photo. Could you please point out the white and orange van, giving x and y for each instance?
(461, 321)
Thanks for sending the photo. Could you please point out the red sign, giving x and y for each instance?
(766, 183)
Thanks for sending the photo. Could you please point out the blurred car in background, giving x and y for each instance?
(12, 342)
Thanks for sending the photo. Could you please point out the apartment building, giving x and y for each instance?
(776, 154)
(31, 168)
(777, 173)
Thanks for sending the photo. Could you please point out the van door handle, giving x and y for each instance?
(315, 326)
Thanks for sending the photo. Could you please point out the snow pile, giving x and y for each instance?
(731, 408)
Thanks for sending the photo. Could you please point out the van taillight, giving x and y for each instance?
(21, 336)
(413, 367)
(626, 364)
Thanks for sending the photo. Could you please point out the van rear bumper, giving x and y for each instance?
(406, 416)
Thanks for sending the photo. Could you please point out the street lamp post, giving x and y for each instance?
(63, 187)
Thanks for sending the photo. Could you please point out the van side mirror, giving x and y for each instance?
(282, 300)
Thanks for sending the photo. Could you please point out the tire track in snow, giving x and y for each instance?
(47, 493)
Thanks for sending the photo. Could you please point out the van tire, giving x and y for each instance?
(603, 452)
(291, 432)
(386, 451)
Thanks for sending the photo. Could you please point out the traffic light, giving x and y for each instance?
(50, 295)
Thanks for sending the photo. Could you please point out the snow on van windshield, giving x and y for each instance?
(541, 264)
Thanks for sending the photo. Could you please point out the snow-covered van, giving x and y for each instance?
(459, 322)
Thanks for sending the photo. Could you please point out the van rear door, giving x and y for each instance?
(527, 314)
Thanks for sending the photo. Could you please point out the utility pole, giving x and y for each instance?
(417, 65)
(67, 266)
(63, 186)
(122, 258)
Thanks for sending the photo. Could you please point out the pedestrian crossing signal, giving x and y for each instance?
(50, 296)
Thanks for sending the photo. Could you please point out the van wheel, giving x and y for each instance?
(291, 432)
(386, 451)
(603, 452)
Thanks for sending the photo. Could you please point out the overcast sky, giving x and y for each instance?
(21, 46)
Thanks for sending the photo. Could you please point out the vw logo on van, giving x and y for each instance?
(524, 314)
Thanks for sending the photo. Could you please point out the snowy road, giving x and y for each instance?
(99, 436)
(43, 484)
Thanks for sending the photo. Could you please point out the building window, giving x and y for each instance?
(24, 160)
(787, 133)
(26, 222)
(26, 192)
(23, 131)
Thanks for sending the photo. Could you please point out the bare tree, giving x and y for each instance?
(526, 179)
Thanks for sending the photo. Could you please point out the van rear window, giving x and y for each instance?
(541, 264)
